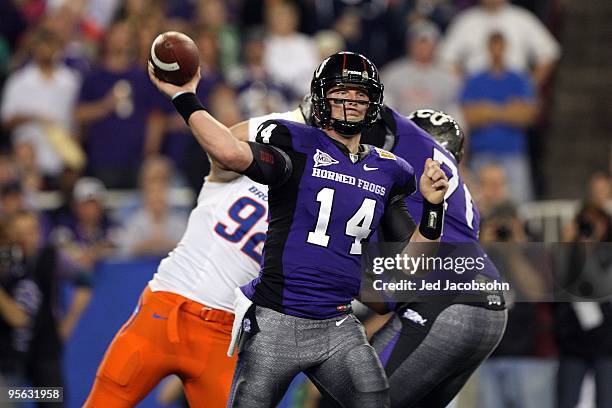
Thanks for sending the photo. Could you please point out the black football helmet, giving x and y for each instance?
(443, 128)
(346, 68)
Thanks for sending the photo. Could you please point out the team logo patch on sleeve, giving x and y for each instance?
(385, 154)
(322, 159)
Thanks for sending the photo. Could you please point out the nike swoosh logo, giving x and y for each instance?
(339, 322)
(366, 168)
(156, 316)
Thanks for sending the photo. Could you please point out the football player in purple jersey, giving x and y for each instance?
(430, 349)
(327, 195)
(403, 342)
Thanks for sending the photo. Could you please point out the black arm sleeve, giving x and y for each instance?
(396, 224)
(270, 165)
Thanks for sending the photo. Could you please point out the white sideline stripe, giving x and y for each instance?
(159, 63)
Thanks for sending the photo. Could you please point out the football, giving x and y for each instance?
(174, 57)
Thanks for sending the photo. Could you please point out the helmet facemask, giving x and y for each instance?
(331, 74)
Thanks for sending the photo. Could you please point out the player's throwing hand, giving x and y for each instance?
(433, 183)
(169, 89)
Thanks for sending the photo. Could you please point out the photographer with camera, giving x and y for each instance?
(521, 371)
(35, 283)
(13, 312)
(583, 329)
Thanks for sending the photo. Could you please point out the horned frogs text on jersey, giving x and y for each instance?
(222, 245)
(319, 218)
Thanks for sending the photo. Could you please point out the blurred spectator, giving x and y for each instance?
(529, 42)
(86, 235)
(148, 29)
(591, 224)
(600, 189)
(8, 172)
(155, 229)
(440, 12)
(97, 16)
(257, 93)
(14, 198)
(520, 372)
(135, 12)
(349, 26)
(418, 81)
(12, 24)
(210, 58)
(498, 105)
(5, 53)
(24, 154)
(67, 20)
(146, 18)
(11, 199)
(224, 107)
(117, 109)
(584, 329)
(154, 170)
(328, 42)
(213, 15)
(290, 57)
(63, 213)
(13, 313)
(373, 34)
(492, 188)
(38, 101)
(45, 268)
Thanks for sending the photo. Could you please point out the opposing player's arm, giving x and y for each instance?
(241, 130)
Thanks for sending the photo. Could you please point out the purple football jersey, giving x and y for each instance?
(461, 219)
(319, 218)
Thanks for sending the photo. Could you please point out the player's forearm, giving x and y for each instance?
(217, 140)
(241, 130)
(218, 172)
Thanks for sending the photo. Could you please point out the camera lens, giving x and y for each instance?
(503, 233)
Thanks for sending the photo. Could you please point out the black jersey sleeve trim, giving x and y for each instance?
(270, 165)
(274, 133)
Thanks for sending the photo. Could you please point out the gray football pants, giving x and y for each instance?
(333, 353)
(428, 362)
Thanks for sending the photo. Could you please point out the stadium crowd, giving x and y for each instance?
(81, 121)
